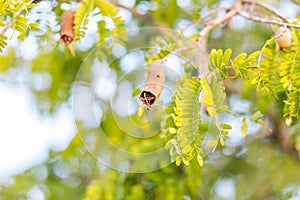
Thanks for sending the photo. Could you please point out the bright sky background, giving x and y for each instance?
(26, 137)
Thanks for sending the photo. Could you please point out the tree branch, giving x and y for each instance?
(215, 11)
(268, 8)
(147, 19)
(210, 25)
(201, 39)
(8, 25)
(176, 51)
(240, 9)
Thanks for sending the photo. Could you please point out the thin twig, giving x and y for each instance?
(8, 25)
(132, 10)
(240, 10)
(210, 25)
(268, 8)
(207, 15)
(147, 19)
(240, 116)
(201, 40)
(176, 51)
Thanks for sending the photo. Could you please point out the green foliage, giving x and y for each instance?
(275, 74)
(20, 24)
(279, 73)
(107, 9)
(219, 61)
(214, 96)
(164, 46)
(81, 18)
(3, 42)
(181, 127)
(17, 12)
(243, 66)
(244, 127)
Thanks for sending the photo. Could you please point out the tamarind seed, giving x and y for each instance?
(283, 37)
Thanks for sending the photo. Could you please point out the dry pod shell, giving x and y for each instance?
(283, 37)
(66, 27)
(155, 83)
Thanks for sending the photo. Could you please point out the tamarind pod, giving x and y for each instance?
(283, 37)
(155, 83)
(66, 27)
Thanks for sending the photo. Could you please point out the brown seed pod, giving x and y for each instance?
(283, 37)
(155, 83)
(66, 27)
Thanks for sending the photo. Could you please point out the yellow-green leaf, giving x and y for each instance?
(244, 127)
(288, 121)
(178, 160)
(185, 161)
(226, 56)
(222, 141)
(226, 126)
(212, 143)
(173, 130)
(136, 92)
(200, 160)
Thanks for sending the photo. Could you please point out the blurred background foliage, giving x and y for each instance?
(260, 166)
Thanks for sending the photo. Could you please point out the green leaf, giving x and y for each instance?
(208, 99)
(3, 42)
(3, 37)
(222, 141)
(224, 132)
(33, 25)
(81, 17)
(168, 145)
(226, 56)
(213, 60)
(212, 112)
(226, 126)
(212, 143)
(288, 121)
(136, 92)
(244, 127)
(200, 160)
(178, 160)
(239, 59)
(173, 130)
(118, 20)
(183, 118)
(218, 93)
(185, 161)
(257, 117)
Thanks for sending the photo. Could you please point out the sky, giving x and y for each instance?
(26, 137)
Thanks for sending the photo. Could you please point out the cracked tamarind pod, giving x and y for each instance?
(283, 37)
(154, 85)
(66, 29)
